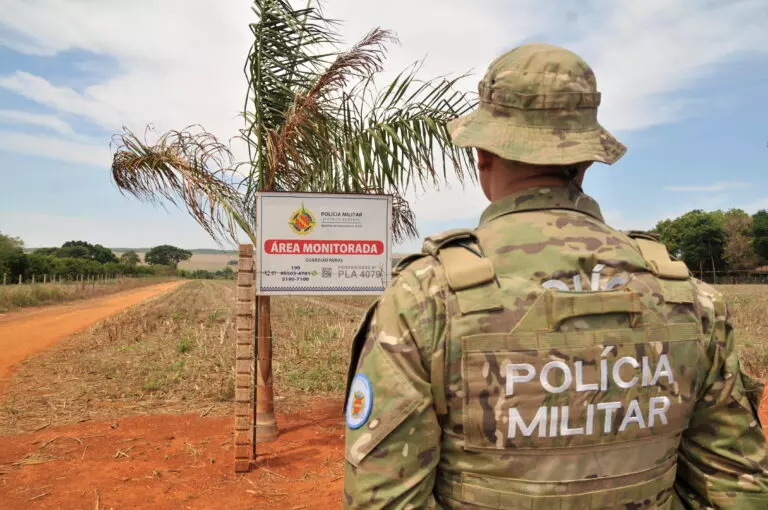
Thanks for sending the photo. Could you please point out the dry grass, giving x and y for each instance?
(13, 297)
(176, 354)
(173, 353)
(749, 307)
(313, 338)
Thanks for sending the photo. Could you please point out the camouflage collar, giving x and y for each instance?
(539, 199)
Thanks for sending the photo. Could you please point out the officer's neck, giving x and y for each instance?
(500, 178)
(506, 187)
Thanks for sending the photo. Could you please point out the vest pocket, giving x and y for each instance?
(533, 390)
(650, 489)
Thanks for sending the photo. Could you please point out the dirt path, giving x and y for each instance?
(33, 330)
(181, 461)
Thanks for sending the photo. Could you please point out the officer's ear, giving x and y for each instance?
(484, 159)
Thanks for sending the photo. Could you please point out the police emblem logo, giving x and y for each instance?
(358, 399)
(302, 221)
(360, 402)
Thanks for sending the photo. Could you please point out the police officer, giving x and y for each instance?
(545, 360)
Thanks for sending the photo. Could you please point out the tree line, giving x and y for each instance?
(717, 241)
(75, 259)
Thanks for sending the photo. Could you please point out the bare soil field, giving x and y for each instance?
(136, 411)
(178, 461)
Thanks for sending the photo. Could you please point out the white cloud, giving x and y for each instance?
(56, 148)
(718, 186)
(47, 121)
(649, 55)
(179, 62)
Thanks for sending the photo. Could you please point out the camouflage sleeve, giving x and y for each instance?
(392, 434)
(723, 457)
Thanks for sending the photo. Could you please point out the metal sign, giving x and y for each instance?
(323, 244)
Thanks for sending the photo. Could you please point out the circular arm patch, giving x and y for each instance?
(360, 402)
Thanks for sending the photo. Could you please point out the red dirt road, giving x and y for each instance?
(180, 461)
(33, 330)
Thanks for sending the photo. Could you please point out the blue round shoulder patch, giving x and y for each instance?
(360, 402)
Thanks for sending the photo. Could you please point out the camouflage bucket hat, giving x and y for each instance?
(538, 105)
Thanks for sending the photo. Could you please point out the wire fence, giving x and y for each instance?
(75, 279)
(733, 277)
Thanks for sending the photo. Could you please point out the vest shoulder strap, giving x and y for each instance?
(657, 257)
(405, 262)
(469, 274)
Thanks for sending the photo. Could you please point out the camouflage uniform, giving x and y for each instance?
(545, 360)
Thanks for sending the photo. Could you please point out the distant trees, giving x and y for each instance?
(80, 250)
(739, 252)
(69, 261)
(75, 259)
(760, 232)
(130, 258)
(717, 241)
(166, 255)
(12, 259)
(697, 238)
(85, 250)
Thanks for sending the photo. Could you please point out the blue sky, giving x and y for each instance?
(684, 87)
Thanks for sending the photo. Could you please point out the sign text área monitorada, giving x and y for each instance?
(324, 247)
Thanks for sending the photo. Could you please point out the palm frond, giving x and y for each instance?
(186, 166)
(285, 58)
(306, 135)
(314, 122)
(402, 139)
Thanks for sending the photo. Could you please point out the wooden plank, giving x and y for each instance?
(244, 278)
(243, 381)
(243, 366)
(242, 465)
(246, 293)
(245, 323)
(245, 264)
(243, 423)
(244, 352)
(243, 437)
(245, 337)
(243, 451)
(243, 410)
(244, 309)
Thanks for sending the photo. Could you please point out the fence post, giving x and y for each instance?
(19, 279)
(33, 278)
(5, 276)
(245, 425)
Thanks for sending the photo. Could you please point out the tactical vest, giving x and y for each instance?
(567, 395)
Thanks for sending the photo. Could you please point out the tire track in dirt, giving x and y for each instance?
(30, 331)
